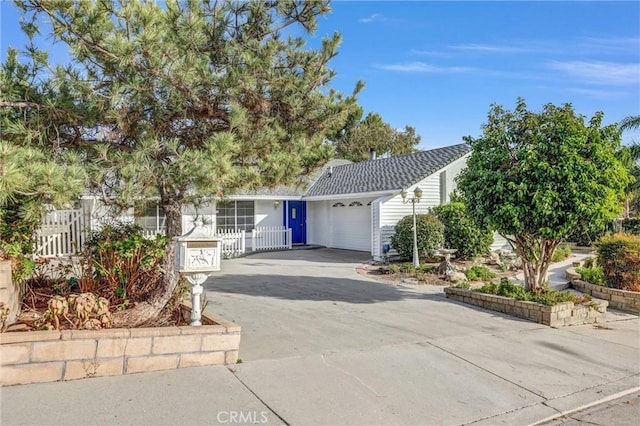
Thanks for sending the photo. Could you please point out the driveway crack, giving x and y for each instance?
(275, 413)
(358, 379)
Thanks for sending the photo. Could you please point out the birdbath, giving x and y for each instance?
(197, 255)
(445, 267)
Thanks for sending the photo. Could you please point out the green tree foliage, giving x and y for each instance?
(355, 140)
(430, 233)
(630, 122)
(29, 180)
(461, 232)
(538, 176)
(181, 100)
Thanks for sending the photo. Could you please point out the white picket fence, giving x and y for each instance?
(62, 233)
(232, 242)
(270, 238)
(151, 233)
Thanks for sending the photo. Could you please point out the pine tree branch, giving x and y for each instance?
(23, 104)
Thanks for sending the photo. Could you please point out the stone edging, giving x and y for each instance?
(560, 315)
(628, 301)
(49, 356)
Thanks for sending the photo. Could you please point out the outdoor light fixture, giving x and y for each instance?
(276, 204)
(417, 194)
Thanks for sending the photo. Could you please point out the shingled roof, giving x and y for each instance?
(385, 174)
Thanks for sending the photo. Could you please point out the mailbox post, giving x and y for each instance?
(197, 255)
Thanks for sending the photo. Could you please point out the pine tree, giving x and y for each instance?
(185, 100)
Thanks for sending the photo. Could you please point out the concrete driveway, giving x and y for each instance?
(323, 345)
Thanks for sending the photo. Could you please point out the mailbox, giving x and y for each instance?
(197, 255)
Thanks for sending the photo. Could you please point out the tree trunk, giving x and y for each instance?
(536, 255)
(148, 311)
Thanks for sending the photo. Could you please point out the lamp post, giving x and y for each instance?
(417, 194)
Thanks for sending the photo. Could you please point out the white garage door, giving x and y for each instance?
(351, 224)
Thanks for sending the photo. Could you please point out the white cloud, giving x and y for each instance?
(488, 48)
(373, 18)
(429, 53)
(596, 72)
(422, 67)
(610, 45)
(597, 93)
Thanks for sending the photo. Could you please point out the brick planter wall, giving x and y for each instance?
(560, 315)
(628, 301)
(48, 356)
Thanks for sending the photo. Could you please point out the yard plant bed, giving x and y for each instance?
(55, 355)
(398, 273)
(559, 315)
(624, 300)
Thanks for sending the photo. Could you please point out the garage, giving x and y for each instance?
(351, 224)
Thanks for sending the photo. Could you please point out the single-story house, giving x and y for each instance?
(346, 205)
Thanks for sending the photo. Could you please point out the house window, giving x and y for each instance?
(151, 218)
(232, 215)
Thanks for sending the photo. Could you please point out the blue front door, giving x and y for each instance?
(297, 215)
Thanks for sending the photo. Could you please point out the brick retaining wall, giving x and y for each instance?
(628, 301)
(560, 315)
(48, 356)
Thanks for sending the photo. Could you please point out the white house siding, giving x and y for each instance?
(393, 209)
(97, 214)
(499, 243)
(450, 174)
(267, 213)
(318, 223)
(376, 244)
(206, 212)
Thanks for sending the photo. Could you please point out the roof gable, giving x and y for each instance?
(385, 174)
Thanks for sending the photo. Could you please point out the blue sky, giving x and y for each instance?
(438, 66)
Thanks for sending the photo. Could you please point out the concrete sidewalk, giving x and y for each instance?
(323, 345)
(557, 271)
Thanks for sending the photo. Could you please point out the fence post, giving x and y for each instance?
(253, 240)
(242, 242)
(289, 238)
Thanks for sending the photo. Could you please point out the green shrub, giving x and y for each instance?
(585, 239)
(544, 296)
(593, 274)
(479, 273)
(394, 269)
(461, 232)
(16, 240)
(407, 268)
(428, 269)
(631, 226)
(561, 253)
(619, 257)
(430, 232)
(126, 265)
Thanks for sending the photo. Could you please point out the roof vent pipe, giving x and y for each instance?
(330, 171)
(372, 153)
